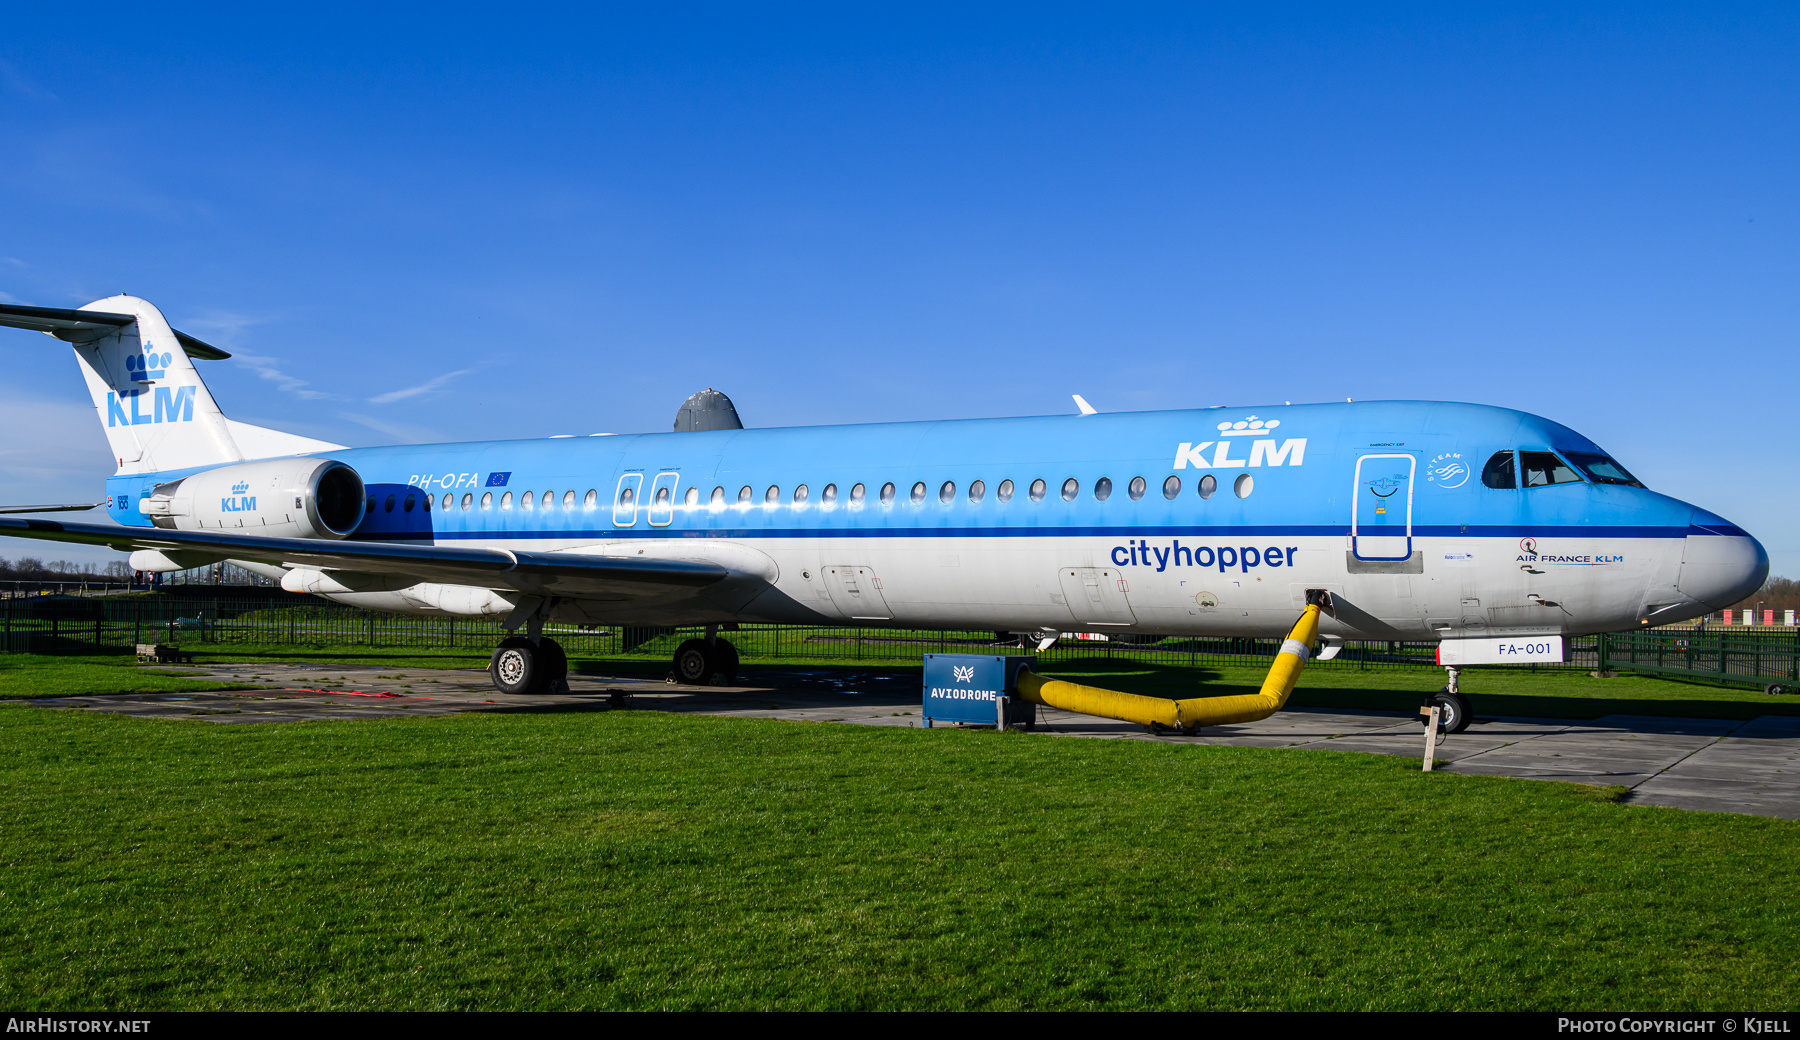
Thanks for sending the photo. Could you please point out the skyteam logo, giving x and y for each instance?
(963, 674)
(1448, 470)
(1264, 449)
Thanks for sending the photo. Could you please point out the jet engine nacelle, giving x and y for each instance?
(287, 498)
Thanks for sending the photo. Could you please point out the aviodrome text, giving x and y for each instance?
(1140, 553)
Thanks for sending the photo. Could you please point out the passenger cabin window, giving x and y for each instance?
(887, 493)
(718, 498)
(1136, 488)
(662, 496)
(388, 506)
(1244, 484)
(411, 500)
(1071, 488)
(1005, 491)
(692, 498)
(772, 496)
(1499, 473)
(529, 501)
(1602, 470)
(1207, 485)
(947, 493)
(549, 498)
(977, 491)
(487, 501)
(627, 496)
(918, 492)
(468, 500)
(1103, 489)
(1171, 487)
(449, 500)
(857, 494)
(505, 502)
(745, 495)
(801, 494)
(1543, 469)
(1038, 487)
(829, 495)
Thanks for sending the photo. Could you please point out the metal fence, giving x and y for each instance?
(253, 617)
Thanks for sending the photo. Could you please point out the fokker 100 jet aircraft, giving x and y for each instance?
(1484, 528)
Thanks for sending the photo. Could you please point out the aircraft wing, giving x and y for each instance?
(560, 573)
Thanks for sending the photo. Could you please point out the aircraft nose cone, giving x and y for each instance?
(1718, 569)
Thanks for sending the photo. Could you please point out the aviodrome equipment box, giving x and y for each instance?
(975, 689)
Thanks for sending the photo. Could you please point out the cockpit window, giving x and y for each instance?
(1602, 470)
(1542, 468)
(1499, 473)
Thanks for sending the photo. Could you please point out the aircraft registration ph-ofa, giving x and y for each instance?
(1495, 532)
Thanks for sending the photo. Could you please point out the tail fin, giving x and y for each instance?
(155, 408)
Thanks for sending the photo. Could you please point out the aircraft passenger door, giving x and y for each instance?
(625, 504)
(1097, 595)
(1381, 512)
(856, 592)
(662, 499)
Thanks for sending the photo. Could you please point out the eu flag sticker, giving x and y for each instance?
(498, 479)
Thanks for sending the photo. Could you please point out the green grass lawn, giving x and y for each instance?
(641, 860)
(40, 675)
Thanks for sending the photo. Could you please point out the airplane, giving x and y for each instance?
(1495, 532)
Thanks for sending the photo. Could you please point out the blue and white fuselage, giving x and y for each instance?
(1423, 520)
(1210, 521)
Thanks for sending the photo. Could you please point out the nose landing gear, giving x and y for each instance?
(1454, 711)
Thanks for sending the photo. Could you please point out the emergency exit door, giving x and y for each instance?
(1381, 512)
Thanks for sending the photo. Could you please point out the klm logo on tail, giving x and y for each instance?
(169, 404)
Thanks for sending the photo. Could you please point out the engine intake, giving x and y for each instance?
(288, 498)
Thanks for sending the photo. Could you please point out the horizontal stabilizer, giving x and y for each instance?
(535, 572)
(86, 326)
(51, 509)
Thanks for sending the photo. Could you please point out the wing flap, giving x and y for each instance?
(535, 572)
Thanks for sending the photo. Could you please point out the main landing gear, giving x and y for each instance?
(521, 666)
(1454, 712)
(705, 662)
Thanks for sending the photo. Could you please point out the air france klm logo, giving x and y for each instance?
(1264, 450)
(238, 502)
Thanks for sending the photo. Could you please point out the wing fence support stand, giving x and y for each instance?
(1431, 735)
(1452, 671)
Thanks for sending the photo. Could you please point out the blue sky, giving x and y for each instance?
(440, 223)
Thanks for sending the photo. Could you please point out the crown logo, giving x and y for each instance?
(1247, 427)
(240, 487)
(147, 367)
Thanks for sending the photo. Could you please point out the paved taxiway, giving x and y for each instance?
(1714, 764)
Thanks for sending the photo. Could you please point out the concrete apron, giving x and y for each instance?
(1712, 764)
